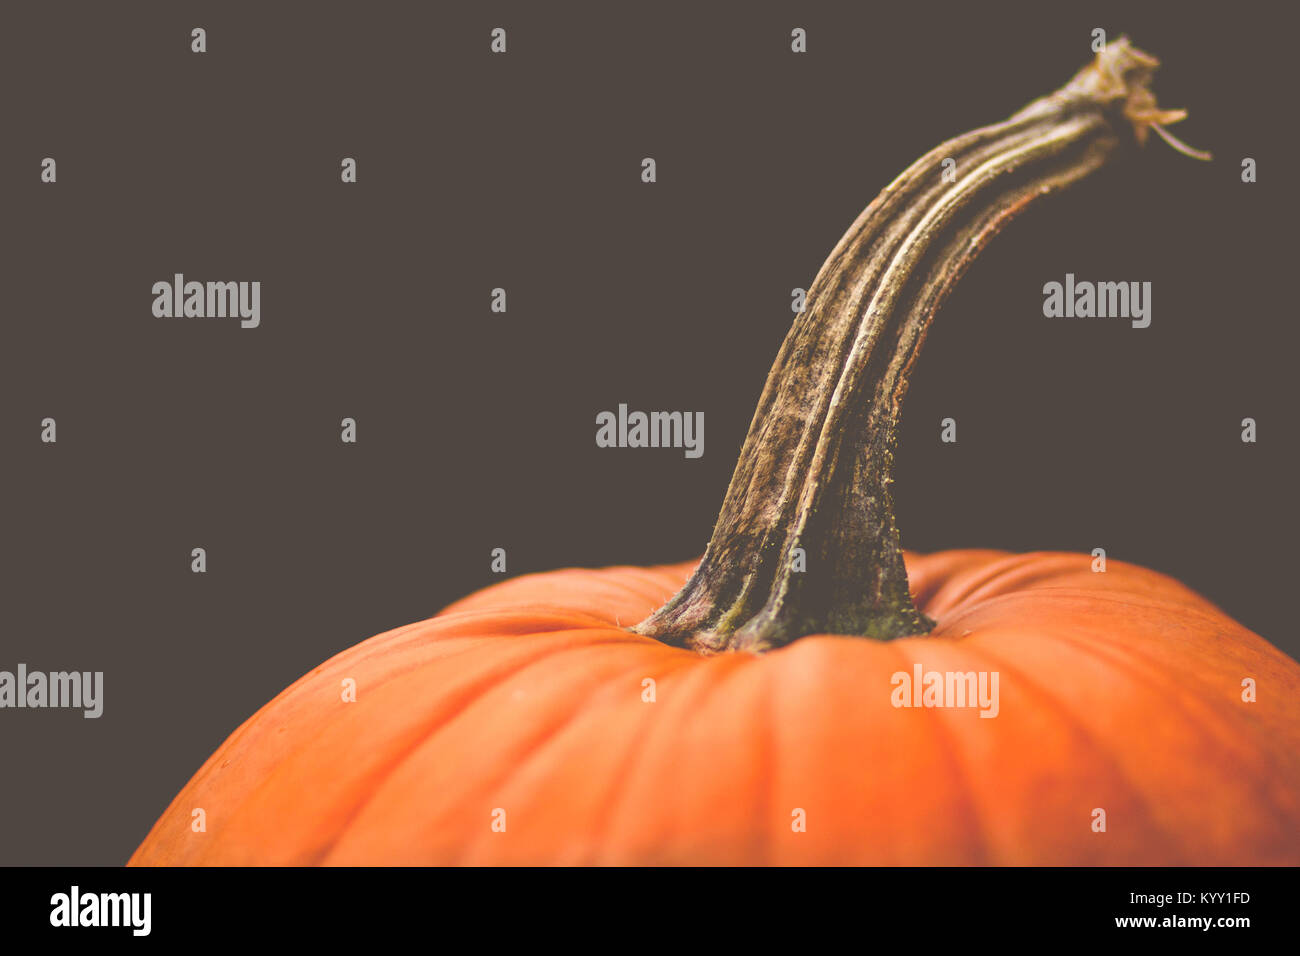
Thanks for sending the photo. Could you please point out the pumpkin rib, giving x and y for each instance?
(759, 729)
(419, 633)
(1221, 727)
(1087, 598)
(251, 729)
(752, 705)
(947, 743)
(537, 750)
(452, 704)
(302, 686)
(464, 698)
(1133, 601)
(771, 759)
(565, 617)
(1086, 736)
(1190, 706)
(373, 648)
(1146, 669)
(734, 667)
(1001, 578)
(928, 582)
(533, 747)
(618, 793)
(578, 585)
(428, 737)
(957, 613)
(990, 576)
(528, 620)
(694, 686)
(1154, 674)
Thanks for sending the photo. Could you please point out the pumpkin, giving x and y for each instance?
(782, 707)
(1118, 690)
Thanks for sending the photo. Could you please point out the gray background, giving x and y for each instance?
(477, 430)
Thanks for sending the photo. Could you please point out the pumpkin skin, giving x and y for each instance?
(1118, 690)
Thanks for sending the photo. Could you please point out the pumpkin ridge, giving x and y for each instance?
(300, 684)
(250, 727)
(988, 576)
(771, 754)
(525, 617)
(1000, 574)
(931, 583)
(983, 855)
(1228, 726)
(1081, 731)
(535, 750)
(452, 703)
(1126, 646)
(469, 699)
(747, 662)
(1222, 727)
(532, 748)
(635, 751)
(305, 686)
(700, 672)
(1133, 600)
(463, 698)
(656, 579)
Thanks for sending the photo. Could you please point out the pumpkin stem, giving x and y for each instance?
(806, 540)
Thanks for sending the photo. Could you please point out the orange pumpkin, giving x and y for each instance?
(1119, 691)
(1131, 721)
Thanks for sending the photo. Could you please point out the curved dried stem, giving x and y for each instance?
(806, 540)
